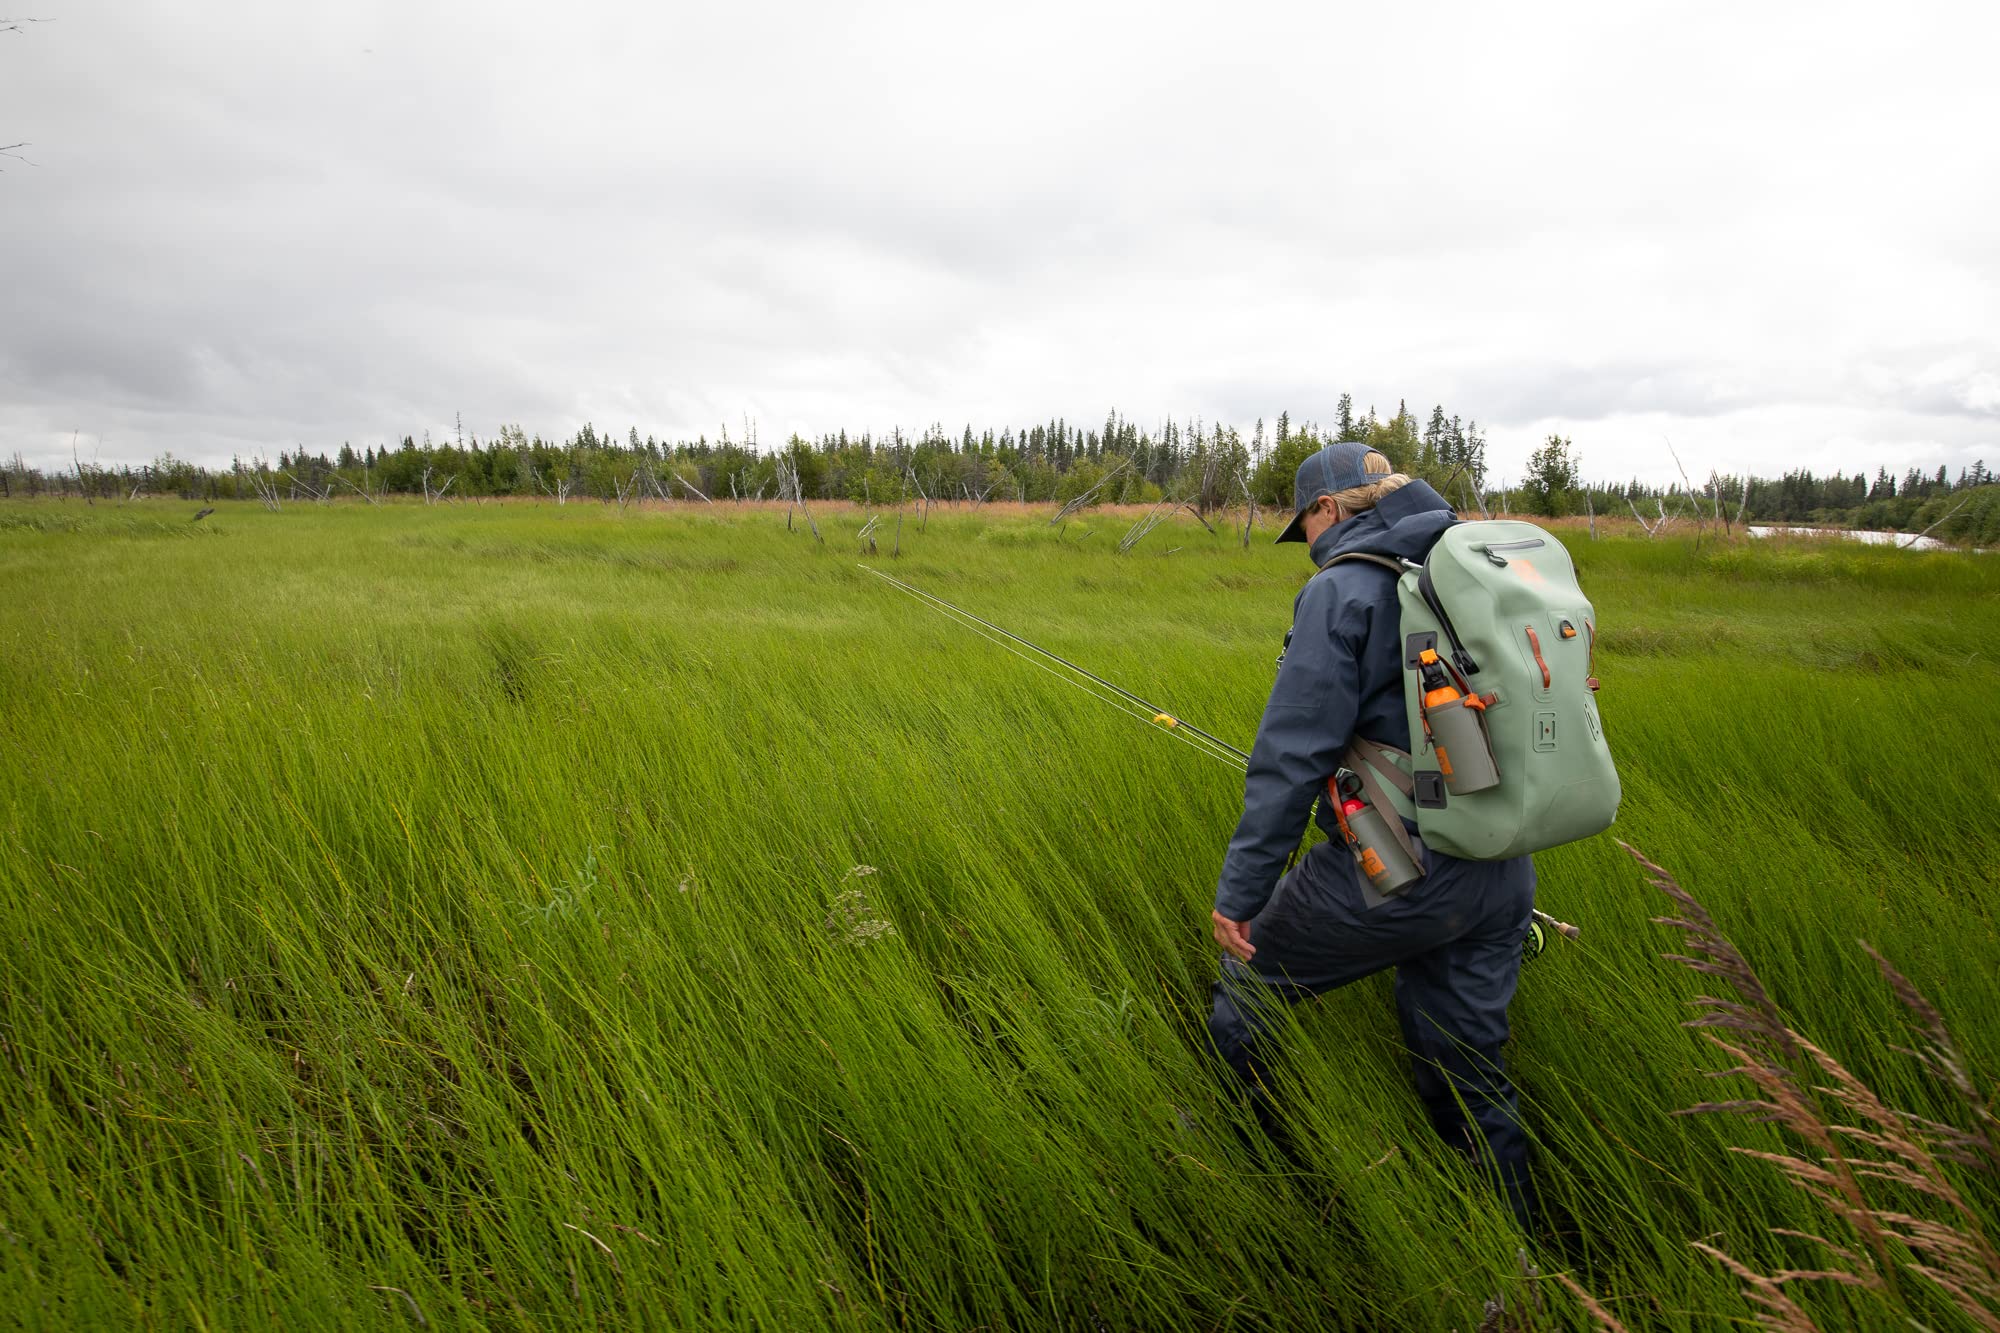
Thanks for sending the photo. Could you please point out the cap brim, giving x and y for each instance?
(1295, 531)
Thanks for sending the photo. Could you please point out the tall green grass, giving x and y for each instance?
(534, 916)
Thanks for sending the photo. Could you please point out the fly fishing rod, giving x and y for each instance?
(1089, 682)
(1132, 705)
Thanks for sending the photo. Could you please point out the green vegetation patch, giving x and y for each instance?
(544, 917)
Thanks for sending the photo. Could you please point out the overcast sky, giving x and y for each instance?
(1767, 233)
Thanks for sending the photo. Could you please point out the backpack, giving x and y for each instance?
(1495, 613)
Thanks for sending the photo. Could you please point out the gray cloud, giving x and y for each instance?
(1762, 232)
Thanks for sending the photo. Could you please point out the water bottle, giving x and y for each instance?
(1377, 850)
(1456, 726)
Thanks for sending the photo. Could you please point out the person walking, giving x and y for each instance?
(1454, 937)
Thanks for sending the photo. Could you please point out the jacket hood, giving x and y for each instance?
(1404, 524)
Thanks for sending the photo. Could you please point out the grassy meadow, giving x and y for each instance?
(522, 916)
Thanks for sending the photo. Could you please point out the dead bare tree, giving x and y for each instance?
(784, 489)
(86, 482)
(1648, 528)
(1207, 496)
(260, 482)
(690, 486)
(1250, 504)
(356, 489)
(624, 490)
(1591, 510)
(652, 480)
(1084, 499)
(1744, 503)
(1694, 496)
(1906, 545)
(788, 486)
(799, 494)
(1155, 516)
(319, 495)
(1478, 499)
(559, 492)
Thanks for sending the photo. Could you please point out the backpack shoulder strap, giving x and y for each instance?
(1392, 565)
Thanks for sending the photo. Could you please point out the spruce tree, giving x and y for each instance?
(1431, 458)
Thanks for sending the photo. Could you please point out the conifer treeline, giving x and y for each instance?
(1209, 464)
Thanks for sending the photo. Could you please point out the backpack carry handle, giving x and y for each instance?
(1491, 550)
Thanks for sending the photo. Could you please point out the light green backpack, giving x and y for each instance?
(1511, 634)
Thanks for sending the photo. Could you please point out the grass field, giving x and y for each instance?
(531, 916)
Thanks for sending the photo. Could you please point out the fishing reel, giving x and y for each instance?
(1536, 941)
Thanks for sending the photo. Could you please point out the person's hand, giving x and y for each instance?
(1233, 936)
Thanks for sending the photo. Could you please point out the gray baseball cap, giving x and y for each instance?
(1337, 467)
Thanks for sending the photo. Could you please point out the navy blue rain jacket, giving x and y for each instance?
(1342, 676)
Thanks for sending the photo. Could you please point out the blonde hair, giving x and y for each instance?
(1360, 499)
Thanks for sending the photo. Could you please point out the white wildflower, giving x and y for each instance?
(855, 921)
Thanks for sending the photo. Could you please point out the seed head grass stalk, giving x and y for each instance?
(1882, 1175)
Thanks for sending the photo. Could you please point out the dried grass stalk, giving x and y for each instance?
(1878, 1170)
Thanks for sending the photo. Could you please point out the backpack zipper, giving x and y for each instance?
(1487, 549)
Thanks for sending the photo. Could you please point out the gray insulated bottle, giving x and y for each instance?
(1377, 850)
(1458, 734)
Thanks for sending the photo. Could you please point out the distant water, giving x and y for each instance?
(1900, 539)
